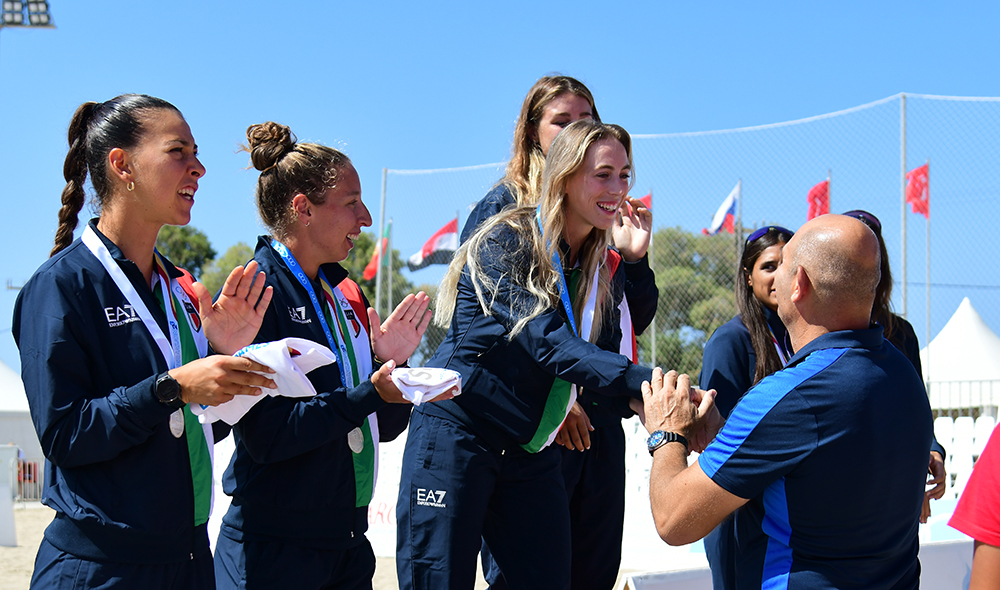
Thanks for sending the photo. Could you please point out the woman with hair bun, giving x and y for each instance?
(304, 468)
(112, 347)
(482, 465)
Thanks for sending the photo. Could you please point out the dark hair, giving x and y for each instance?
(95, 130)
(524, 170)
(882, 308)
(288, 168)
(752, 310)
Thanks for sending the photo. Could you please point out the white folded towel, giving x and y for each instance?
(290, 359)
(419, 384)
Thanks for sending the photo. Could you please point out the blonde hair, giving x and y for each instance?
(288, 168)
(540, 277)
(524, 170)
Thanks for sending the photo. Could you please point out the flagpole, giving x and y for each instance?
(652, 267)
(902, 190)
(387, 256)
(928, 331)
(829, 189)
(378, 244)
(739, 215)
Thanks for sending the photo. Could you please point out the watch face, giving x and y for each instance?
(167, 389)
(655, 438)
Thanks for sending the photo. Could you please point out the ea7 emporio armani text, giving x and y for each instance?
(120, 315)
(433, 498)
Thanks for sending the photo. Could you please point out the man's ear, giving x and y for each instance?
(801, 285)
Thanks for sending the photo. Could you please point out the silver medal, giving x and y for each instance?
(356, 440)
(177, 423)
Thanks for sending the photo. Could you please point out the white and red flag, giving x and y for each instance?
(725, 217)
(439, 249)
(819, 200)
(918, 190)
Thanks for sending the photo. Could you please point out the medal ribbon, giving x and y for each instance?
(340, 342)
(563, 394)
(199, 437)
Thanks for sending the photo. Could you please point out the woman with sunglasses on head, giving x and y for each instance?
(740, 353)
(594, 457)
(898, 331)
(112, 342)
(482, 465)
(304, 468)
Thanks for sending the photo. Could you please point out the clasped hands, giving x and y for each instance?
(670, 404)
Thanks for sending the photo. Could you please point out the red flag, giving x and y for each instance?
(917, 190)
(439, 249)
(819, 200)
(648, 201)
(372, 269)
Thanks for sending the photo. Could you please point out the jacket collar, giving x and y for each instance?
(870, 338)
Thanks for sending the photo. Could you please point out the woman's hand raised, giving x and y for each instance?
(232, 322)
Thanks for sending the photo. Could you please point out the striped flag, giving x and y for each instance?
(437, 250)
(725, 217)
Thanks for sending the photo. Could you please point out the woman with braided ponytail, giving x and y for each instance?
(113, 353)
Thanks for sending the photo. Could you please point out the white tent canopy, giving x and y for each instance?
(964, 350)
(962, 363)
(15, 422)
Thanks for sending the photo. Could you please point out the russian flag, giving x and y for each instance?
(437, 250)
(726, 215)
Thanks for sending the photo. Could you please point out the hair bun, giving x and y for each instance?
(268, 143)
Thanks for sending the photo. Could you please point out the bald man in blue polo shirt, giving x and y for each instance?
(823, 461)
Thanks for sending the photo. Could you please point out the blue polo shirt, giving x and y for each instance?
(832, 453)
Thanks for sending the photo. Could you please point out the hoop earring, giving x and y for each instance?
(306, 222)
(130, 186)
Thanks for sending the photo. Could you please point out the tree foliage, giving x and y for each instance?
(358, 259)
(695, 275)
(214, 274)
(186, 247)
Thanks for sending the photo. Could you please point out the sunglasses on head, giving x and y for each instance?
(758, 234)
(866, 218)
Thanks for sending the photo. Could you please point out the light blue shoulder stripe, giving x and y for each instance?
(758, 402)
(778, 528)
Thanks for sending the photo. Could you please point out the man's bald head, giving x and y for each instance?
(840, 258)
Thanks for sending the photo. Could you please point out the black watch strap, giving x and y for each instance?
(667, 437)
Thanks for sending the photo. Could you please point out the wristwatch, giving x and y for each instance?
(168, 391)
(659, 438)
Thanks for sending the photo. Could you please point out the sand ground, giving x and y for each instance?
(30, 521)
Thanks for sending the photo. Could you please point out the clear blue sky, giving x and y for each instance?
(435, 85)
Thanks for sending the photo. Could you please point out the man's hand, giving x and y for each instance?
(669, 406)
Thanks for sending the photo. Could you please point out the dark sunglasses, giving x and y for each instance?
(866, 218)
(758, 234)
